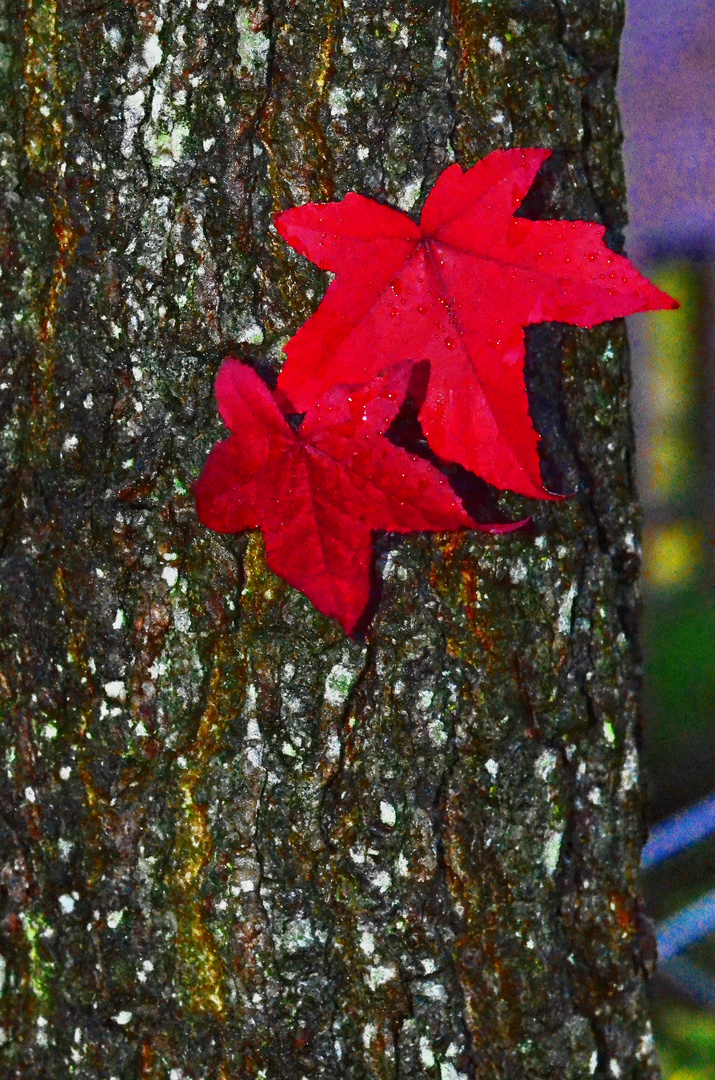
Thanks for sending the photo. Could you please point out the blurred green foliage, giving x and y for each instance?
(679, 756)
(686, 1041)
(679, 751)
(678, 629)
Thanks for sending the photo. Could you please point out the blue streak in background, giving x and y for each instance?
(689, 925)
(692, 923)
(679, 832)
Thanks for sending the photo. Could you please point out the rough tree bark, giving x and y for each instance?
(237, 843)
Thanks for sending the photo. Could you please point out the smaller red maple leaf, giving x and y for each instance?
(318, 493)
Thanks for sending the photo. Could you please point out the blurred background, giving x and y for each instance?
(667, 93)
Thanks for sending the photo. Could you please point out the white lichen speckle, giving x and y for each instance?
(66, 904)
(424, 699)
(249, 332)
(114, 36)
(437, 732)
(492, 767)
(382, 880)
(379, 975)
(629, 774)
(298, 936)
(440, 54)
(114, 918)
(167, 147)
(409, 195)
(116, 690)
(338, 683)
(332, 748)
(367, 942)
(338, 101)
(253, 45)
(447, 1071)
(426, 1055)
(170, 575)
(152, 52)
(552, 850)
(545, 764)
(387, 814)
(647, 1043)
(563, 621)
(133, 116)
(496, 46)
(519, 572)
(124, 1017)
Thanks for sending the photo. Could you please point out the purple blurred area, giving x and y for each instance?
(667, 94)
(667, 98)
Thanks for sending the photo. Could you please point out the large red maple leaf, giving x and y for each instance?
(318, 492)
(457, 290)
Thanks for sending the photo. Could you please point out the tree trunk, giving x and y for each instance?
(237, 843)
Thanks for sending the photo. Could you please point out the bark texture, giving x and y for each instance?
(237, 844)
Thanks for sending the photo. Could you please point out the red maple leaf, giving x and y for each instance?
(318, 492)
(457, 290)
